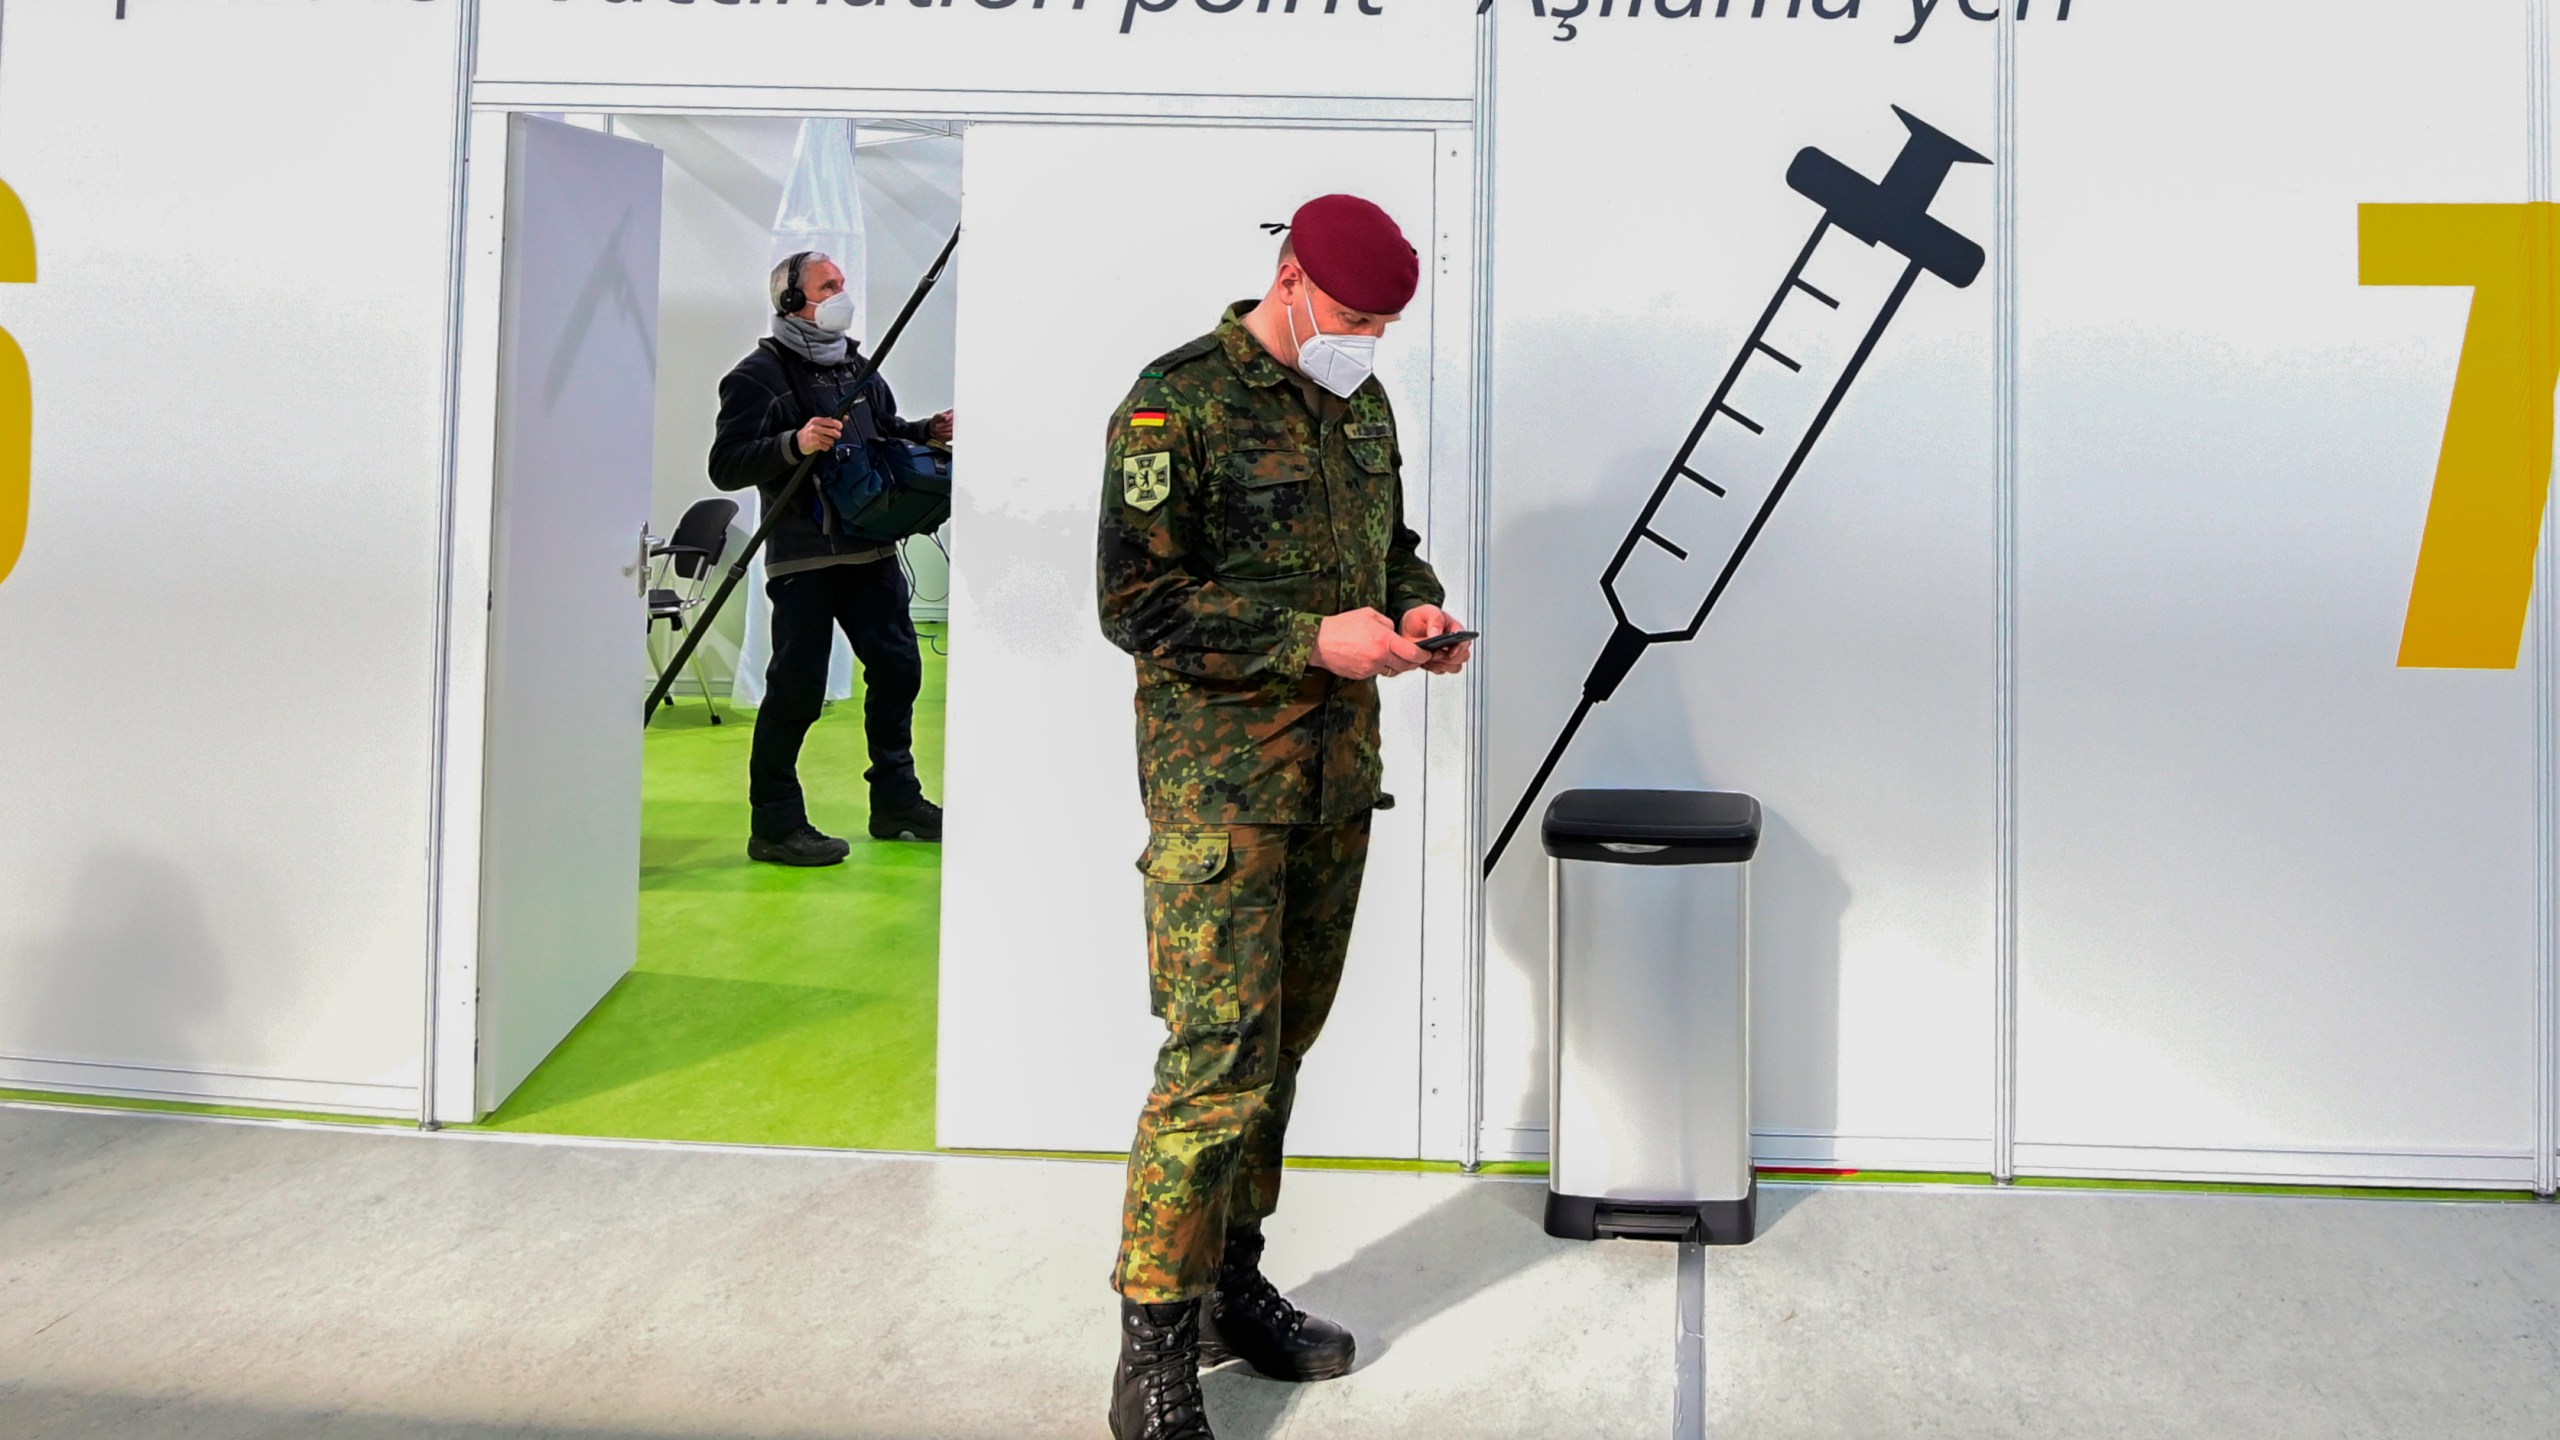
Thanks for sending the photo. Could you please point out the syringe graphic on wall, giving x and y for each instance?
(1874, 242)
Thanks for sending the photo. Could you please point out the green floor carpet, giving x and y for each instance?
(770, 1006)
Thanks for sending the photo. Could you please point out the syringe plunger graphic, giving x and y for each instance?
(1776, 399)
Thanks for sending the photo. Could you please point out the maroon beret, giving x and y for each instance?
(1354, 253)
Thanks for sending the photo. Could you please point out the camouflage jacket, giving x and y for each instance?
(1240, 506)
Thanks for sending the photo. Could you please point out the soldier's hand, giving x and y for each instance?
(1363, 644)
(940, 427)
(1424, 621)
(819, 435)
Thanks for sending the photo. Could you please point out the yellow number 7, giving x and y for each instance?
(17, 396)
(2475, 568)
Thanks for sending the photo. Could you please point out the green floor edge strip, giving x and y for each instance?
(2298, 1192)
(1788, 1175)
(1294, 1162)
(1818, 1175)
(74, 1100)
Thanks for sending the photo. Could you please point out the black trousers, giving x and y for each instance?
(869, 602)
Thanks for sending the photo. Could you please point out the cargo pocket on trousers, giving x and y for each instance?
(1191, 966)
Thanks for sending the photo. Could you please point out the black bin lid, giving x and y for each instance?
(1653, 827)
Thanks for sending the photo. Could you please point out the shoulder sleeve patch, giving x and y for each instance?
(1146, 481)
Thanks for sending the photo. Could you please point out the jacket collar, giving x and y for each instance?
(789, 356)
(1259, 367)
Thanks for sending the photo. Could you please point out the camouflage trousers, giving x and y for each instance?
(1247, 926)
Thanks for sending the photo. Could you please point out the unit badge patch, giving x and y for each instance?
(1147, 480)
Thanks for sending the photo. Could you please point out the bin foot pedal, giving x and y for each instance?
(1715, 1222)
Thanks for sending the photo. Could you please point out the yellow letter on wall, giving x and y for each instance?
(17, 398)
(2475, 569)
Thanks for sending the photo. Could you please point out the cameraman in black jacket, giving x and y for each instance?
(776, 406)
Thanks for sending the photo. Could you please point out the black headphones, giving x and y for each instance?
(793, 300)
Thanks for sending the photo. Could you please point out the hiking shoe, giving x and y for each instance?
(917, 819)
(804, 846)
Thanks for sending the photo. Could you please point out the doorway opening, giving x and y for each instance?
(636, 975)
(762, 1003)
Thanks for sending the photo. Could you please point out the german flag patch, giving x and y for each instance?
(1147, 419)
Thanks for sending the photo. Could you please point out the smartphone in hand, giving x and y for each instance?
(1450, 641)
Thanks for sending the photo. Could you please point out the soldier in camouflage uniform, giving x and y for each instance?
(1255, 560)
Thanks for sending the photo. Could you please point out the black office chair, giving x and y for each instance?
(683, 566)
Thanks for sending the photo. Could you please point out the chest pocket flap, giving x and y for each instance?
(1255, 466)
(1269, 512)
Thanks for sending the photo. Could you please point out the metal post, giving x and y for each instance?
(1478, 538)
(2004, 1067)
(2546, 674)
(466, 23)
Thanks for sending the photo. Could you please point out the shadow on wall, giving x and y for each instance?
(1646, 738)
(715, 165)
(132, 976)
(611, 294)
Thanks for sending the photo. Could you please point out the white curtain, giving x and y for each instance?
(821, 210)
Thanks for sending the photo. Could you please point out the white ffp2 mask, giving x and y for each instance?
(835, 313)
(1339, 363)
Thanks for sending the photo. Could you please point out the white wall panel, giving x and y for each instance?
(1847, 676)
(1046, 1039)
(2277, 896)
(1100, 56)
(218, 650)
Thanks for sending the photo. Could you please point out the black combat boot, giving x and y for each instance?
(1155, 1390)
(1247, 1318)
(917, 819)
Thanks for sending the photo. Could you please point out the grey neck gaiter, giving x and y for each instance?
(809, 342)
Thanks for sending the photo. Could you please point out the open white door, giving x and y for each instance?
(1090, 251)
(568, 662)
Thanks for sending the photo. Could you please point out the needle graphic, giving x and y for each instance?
(1777, 398)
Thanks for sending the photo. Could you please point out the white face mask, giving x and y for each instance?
(1339, 363)
(835, 313)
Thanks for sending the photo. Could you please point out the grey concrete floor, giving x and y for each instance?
(183, 1278)
(180, 1278)
(1878, 1312)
